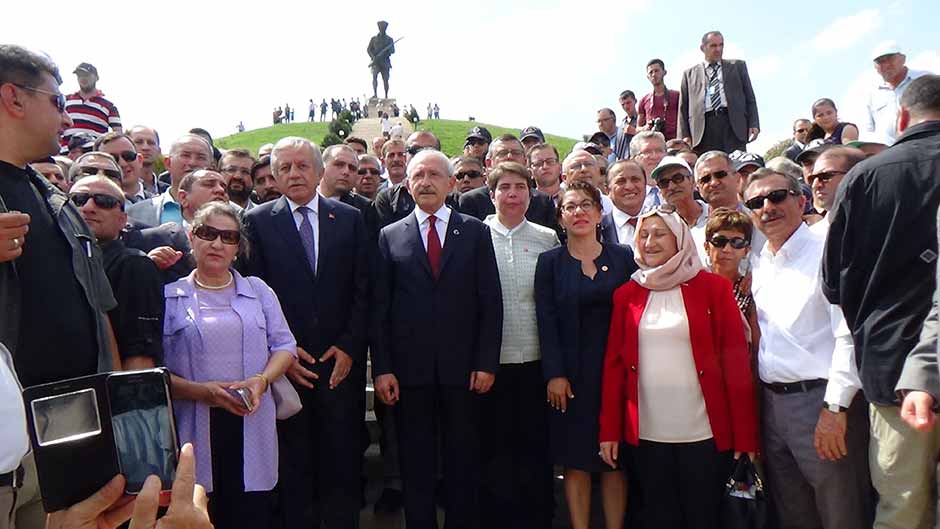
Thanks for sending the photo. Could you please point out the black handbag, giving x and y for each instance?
(744, 504)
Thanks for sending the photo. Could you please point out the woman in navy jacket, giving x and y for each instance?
(574, 285)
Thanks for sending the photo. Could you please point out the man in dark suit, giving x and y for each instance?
(801, 129)
(167, 246)
(477, 203)
(340, 173)
(626, 182)
(313, 252)
(717, 108)
(438, 323)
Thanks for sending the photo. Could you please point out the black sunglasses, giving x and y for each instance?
(775, 197)
(468, 174)
(208, 233)
(706, 178)
(127, 156)
(102, 200)
(57, 99)
(719, 241)
(663, 183)
(369, 170)
(824, 176)
(113, 174)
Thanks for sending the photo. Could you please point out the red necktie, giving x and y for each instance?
(434, 247)
(632, 221)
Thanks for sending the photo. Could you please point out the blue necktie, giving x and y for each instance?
(306, 237)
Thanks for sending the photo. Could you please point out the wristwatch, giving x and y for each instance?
(834, 408)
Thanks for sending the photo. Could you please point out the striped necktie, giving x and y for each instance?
(714, 87)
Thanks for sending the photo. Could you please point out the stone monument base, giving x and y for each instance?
(378, 104)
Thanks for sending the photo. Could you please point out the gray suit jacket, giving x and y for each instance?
(148, 211)
(742, 106)
(920, 369)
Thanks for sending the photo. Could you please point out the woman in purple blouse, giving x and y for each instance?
(225, 332)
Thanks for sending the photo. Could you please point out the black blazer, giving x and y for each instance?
(140, 236)
(331, 307)
(364, 205)
(557, 306)
(431, 331)
(608, 230)
(477, 203)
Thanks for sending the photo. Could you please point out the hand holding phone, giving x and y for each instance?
(243, 395)
(218, 396)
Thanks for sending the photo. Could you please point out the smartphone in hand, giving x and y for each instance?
(242, 395)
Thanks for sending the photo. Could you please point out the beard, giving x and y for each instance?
(239, 194)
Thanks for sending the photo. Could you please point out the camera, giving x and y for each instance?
(85, 430)
(658, 124)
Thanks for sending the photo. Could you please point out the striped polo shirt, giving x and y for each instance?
(92, 116)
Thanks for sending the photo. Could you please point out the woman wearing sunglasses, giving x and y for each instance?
(226, 340)
(728, 234)
(677, 381)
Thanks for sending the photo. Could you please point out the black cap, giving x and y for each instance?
(816, 147)
(592, 148)
(532, 132)
(600, 138)
(480, 133)
(741, 159)
(86, 68)
(81, 141)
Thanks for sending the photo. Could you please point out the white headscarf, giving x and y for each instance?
(681, 267)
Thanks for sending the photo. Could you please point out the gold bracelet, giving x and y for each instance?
(267, 384)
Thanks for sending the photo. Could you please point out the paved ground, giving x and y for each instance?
(369, 128)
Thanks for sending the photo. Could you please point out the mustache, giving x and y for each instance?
(767, 217)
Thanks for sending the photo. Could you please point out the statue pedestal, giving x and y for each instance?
(377, 105)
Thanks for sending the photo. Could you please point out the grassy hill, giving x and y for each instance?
(252, 139)
(451, 133)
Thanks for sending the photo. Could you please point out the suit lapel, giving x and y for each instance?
(283, 220)
(327, 220)
(454, 232)
(414, 233)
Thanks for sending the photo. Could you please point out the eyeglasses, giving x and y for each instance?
(113, 174)
(468, 174)
(678, 178)
(585, 205)
(57, 99)
(824, 176)
(542, 163)
(415, 149)
(127, 156)
(707, 177)
(577, 166)
(101, 200)
(506, 153)
(720, 241)
(369, 170)
(775, 197)
(208, 233)
(233, 170)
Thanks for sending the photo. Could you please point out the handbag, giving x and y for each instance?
(286, 400)
(744, 503)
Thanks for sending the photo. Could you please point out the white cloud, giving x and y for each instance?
(765, 67)
(846, 32)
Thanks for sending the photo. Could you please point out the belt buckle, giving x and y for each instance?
(18, 476)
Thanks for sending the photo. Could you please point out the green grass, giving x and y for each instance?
(453, 133)
(252, 139)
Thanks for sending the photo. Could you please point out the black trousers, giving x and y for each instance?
(718, 135)
(682, 483)
(320, 463)
(454, 412)
(517, 468)
(230, 507)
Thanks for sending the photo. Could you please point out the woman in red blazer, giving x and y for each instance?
(677, 383)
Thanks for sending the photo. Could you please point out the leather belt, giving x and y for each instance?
(794, 387)
(13, 479)
(717, 111)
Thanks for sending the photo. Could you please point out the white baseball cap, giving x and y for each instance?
(888, 47)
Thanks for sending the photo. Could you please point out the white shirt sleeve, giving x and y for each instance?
(843, 372)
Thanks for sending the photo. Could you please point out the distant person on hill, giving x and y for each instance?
(430, 111)
(286, 113)
(312, 112)
(323, 107)
(437, 111)
(386, 125)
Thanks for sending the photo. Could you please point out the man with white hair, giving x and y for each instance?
(583, 166)
(313, 252)
(188, 153)
(649, 147)
(437, 338)
(882, 103)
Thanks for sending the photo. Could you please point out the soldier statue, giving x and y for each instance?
(381, 47)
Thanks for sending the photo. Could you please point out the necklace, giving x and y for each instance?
(227, 284)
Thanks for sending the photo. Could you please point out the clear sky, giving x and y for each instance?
(176, 65)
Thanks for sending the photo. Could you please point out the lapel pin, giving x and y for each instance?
(331, 216)
(604, 268)
(456, 232)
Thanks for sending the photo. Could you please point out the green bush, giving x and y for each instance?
(330, 139)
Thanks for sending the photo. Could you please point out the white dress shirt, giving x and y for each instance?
(626, 232)
(440, 225)
(607, 205)
(314, 217)
(821, 228)
(882, 109)
(803, 336)
(14, 441)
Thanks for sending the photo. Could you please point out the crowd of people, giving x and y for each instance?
(638, 313)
